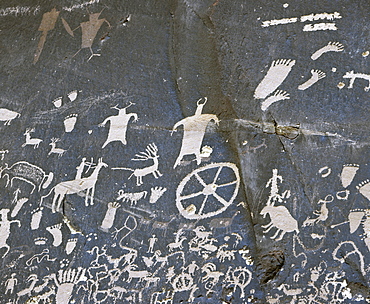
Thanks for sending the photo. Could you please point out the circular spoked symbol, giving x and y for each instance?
(208, 191)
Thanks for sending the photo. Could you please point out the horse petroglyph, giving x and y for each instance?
(76, 186)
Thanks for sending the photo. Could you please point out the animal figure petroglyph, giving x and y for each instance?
(224, 222)
(76, 186)
(281, 219)
(322, 215)
(353, 76)
(150, 153)
(28, 173)
(178, 241)
(7, 116)
(54, 149)
(133, 198)
(35, 142)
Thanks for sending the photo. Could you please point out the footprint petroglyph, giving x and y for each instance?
(316, 75)
(278, 71)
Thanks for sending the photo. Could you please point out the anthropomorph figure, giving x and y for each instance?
(89, 31)
(152, 241)
(118, 125)
(47, 24)
(10, 284)
(194, 130)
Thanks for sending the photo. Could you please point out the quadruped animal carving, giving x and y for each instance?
(28, 173)
(7, 116)
(76, 186)
(151, 152)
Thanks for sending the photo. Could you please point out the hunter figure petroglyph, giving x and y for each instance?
(194, 129)
(75, 186)
(118, 125)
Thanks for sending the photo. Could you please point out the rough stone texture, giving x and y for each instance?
(274, 209)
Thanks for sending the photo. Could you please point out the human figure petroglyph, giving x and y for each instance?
(89, 31)
(152, 240)
(322, 215)
(194, 130)
(275, 76)
(118, 125)
(47, 24)
(7, 116)
(75, 186)
(11, 283)
(273, 182)
(2, 154)
(330, 47)
(353, 76)
(5, 229)
(151, 152)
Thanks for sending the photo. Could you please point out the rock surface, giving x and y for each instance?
(184, 151)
